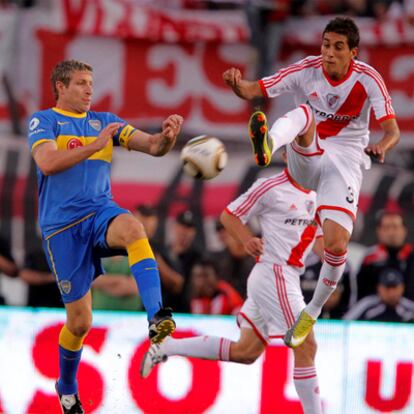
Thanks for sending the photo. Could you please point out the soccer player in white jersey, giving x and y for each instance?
(286, 214)
(327, 139)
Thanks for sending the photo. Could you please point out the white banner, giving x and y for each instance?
(363, 368)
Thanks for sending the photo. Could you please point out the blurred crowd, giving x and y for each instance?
(214, 282)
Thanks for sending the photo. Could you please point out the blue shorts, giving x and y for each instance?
(74, 252)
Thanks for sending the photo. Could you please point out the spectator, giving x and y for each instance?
(43, 290)
(180, 255)
(388, 305)
(8, 266)
(233, 263)
(209, 294)
(116, 289)
(391, 251)
(341, 299)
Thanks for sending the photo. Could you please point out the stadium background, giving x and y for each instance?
(152, 59)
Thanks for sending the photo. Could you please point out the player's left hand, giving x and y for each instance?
(171, 127)
(254, 246)
(376, 151)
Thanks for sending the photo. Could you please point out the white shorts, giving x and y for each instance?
(274, 300)
(336, 180)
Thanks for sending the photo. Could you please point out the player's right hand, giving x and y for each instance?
(106, 134)
(232, 77)
(254, 246)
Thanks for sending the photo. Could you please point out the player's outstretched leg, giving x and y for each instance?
(258, 133)
(297, 334)
(265, 142)
(70, 404)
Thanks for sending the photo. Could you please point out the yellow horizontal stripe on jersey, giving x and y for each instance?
(125, 135)
(65, 142)
(71, 114)
(41, 141)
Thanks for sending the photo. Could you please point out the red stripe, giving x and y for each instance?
(380, 82)
(258, 192)
(297, 149)
(295, 184)
(263, 88)
(344, 210)
(384, 118)
(297, 252)
(302, 378)
(256, 331)
(276, 336)
(351, 107)
(335, 254)
(334, 264)
(273, 80)
(308, 115)
(283, 297)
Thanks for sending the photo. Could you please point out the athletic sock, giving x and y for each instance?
(145, 271)
(331, 272)
(289, 126)
(205, 347)
(70, 352)
(307, 387)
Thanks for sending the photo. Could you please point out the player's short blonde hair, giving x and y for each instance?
(63, 71)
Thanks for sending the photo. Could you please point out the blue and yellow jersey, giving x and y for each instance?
(69, 196)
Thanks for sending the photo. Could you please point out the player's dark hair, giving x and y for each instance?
(344, 26)
(63, 71)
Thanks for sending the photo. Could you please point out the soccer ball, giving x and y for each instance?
(204, 157)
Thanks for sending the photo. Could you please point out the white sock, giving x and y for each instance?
(307, 387)
(205, 347)
(331, 272)
(289, 126)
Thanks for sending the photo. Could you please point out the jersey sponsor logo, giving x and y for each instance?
(34, 123)
(334, 117)
(95, 124)
(65, 286)
(74, 143)
(300, 222)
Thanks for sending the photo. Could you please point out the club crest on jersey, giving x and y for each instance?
(74, 143)
(65, 286)
(309, 204)
(95, 124)
(332, 100)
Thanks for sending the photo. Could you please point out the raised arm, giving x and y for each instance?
(51, 160)
(389, 140)
(252, 244)
(157, 144)
(242, 88)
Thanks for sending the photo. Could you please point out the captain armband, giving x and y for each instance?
(125, 135)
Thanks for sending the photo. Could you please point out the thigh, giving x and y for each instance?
(304, 164)
(70, 257)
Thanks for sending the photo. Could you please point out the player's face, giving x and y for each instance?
(77, 96)
(336, 55)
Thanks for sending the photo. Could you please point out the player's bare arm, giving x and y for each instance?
(161, 143)
(51, 160)
(242, 88)
(252, 244)
(389, 140)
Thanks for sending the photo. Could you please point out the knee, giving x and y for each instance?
(336, 245)
(134, 231)
(80, 325)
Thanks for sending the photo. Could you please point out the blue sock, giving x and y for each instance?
(68, 364)
(148, 280)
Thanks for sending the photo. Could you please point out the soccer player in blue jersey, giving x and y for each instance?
(72, 147)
